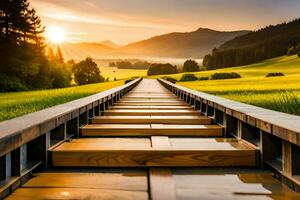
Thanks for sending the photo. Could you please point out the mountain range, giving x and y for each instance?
(194, 44)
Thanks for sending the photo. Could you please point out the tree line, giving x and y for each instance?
(162, 69)
(130, 65)
(263, 44)
(26, 63)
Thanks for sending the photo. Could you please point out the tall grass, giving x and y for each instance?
(20, 103)
(275, 93)
(283, 101)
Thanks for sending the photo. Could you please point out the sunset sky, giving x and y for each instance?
(125, 21)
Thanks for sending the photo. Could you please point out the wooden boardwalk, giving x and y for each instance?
(151, 145)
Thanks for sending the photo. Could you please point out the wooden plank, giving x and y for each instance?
(141, 103)
(237, 184)
(76, 193)
(161, 112)
(160, 142)
(201, 120)
(204, 154)
(153, 130)
(149, 107)
(162, 186)
(130, 180)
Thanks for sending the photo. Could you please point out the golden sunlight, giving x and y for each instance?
(55, 34)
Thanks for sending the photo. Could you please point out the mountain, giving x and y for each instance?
(269, 42)
(181, 45)
(173, 45)
(110, 44)
(82, 50)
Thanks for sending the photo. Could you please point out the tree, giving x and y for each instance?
(21, 46)
(291, 51)
(159, 69)
(59, 56)
(112, 64)
(124, 65)
(191, 66)
(266, 43)
(87, 72)
(299, 54)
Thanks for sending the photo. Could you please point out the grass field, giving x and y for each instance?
(120, 74)
(20, 103)
(276, 93)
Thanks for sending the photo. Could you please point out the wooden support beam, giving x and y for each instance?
(162, 186)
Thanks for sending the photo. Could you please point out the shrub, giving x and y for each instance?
(11, 84)
(129, 80)
(206, 78)
(188, 77)
(274, 74)
(191, 66)
(219, 76)
(170, 79)
(298, 54)
(291, 51)
(160, 69)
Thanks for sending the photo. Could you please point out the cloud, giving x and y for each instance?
(51, 10)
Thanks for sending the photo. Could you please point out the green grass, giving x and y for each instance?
(20, 103)
(276, 93)
(120, 74)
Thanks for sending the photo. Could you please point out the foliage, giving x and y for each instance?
(141, 65)
(123, 65)
(191, 66)
(159, 69)
(219, 76)
(22, 48)
(87, 72)
(11, 84)
(129, 80)
(24, 63)
(188, 77)
(274, 74)
(291, 51)
(170, 79)
(14, 104)
(204, 78)
(129, 65)
(266, 43)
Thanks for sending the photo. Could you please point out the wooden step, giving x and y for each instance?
(217, 184)
(150, 99)
(154, 152)
(108, 185)
(132, 107)
(200, 120)
(158, 112)
(143, 97)
(143, 103)
(105, 130)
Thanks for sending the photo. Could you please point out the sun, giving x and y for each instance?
(55, 34)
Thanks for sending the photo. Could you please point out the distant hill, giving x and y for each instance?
(173, 45)
(269, 42)
(110, 44)
(82, 50)
(181, 45)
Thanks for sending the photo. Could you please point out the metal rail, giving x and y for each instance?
(24, 141)
(276, 134)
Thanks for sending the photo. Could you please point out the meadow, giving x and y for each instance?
(16, 104)
(276, 93)
(121, 74)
